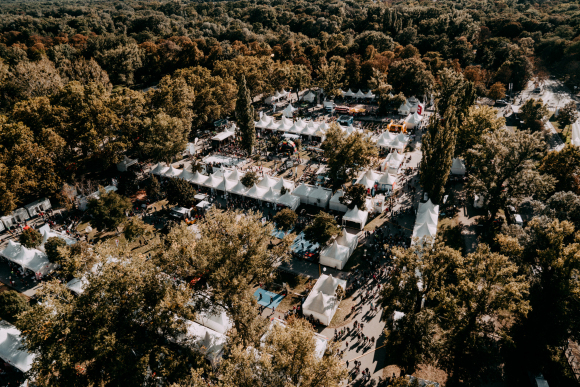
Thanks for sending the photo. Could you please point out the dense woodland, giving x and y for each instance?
(71, 71)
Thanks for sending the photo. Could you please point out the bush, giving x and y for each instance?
(249, 179)
(11, 305)
(180, 192)
(285, 219)
(51, 247)
(108, 212)
(31, 238)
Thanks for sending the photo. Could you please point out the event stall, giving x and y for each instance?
(124, 165)
(159, 169)
(413, 120)
(217, 321)
(7, 221)
(322, 302)
(576, 133)
(223, 138)
(388, 182)
(12, 351)
(334, 256)
(392, 163)
(30, 259)
(355, 218)
(303, 191)
(335, 204)
(38, 206)
(320, 197)
(425, 223)
(47, 233)
(289, 111)
(309, 97)
(289, 201)
(458, 167)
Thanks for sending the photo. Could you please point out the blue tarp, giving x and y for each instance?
(268, 299)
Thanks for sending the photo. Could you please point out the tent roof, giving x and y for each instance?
(11, 349)
(267, 181)
(283, 183)
(288, 200)
(239, 188)
(223, 135)
(185, 175)
(226, 185)
(424, 230)
(349, 93)
(172, 172)
(271, 195)
(198, 178)
(329, 284)
(426, 217)
(302, 190)
(213, 181)
(346, 239)
(428, 206)
(340, 253)
(319, 304)
(159, 169)
(359, 94)
(337, 195)
(388, 179)
(369, 94)
(373, 175)
(366, 182)
(256, 192)
(235, 175)
(356, 215)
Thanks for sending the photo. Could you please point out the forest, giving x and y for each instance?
(72, 73)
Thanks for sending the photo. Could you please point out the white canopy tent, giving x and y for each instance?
(349, 93)
(267, 181)
(172, 172)
(289, 201)
(303, 191)
(335, 256)
(11, 349)
(226, 185)
(322, 303)
(458, 167)
(576, 133)
(205, 340)
(359, 94)
(289, 111)
(271, 196)
(46, 233)
(309, 97)
(217, 321)
(77, 285)
(392, 163)
(212, 181)
(404, 109)
(198, 178)
(385, 139)
(38, 206)
(288, 184)
(159, 169)
(369, 94)
(30, 259)
(239, 189)
(355, 218)
(413, 120)
(335, 204)
(256, 192)
(368, 184)
(388, 182)
(320, 197)
(348, 240)
(185, 175)
(20, 214)
(8, 221)
(125, 164)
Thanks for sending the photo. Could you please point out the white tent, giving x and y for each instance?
(288, 184)
(359, 94)
(185, 175)
(385, 139)
(303, 191)
(576, 133)
(289, 110)
(77, 285)
(256, 192)
(348, 240)
(404, 109)
(428, 206)
(125, 164)
(320, 197)
(392, 163)
(263, 122)
(368, 184)
(309, 97)
(397, 144)
(223, 135)
(46, 233)
(296, 129)
(424, 230)
(36, 207)
(413, 120)
(212, 182)
(217, 321)
(335, 204)
(159, 169)
(335, 256)
(239, 189)
(426, 217)
(235, 175)
(172, 172)
(388, 182)
(20, 214)
(7, 221)
(198, 178)
(369, 94)
(11, 349)
(271, 196)
(206, 340)
(267, 181)
(322, 303)
(458, 167)
(355, 218)
(349, 93)
(30, 259)
(226, 185)
(289, 201)
(373, 176)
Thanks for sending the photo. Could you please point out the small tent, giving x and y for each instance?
(303, 191)
(124, 165)
(335, 204)
(335, 256)
(159, 169)
(289, 111)
(289, 201)
(458, 167)
(309, 97)
(355, 218)
(11, 349)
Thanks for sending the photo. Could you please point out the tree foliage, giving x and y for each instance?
(12, 304)
(135, 228)
(30, 238)
(52, 248)
(245, 117)
(249, 179)
(568, 114)
(480, 120)
(322, 228)
(285, 219)
(180, 192)
(108, 212)
(355, 195)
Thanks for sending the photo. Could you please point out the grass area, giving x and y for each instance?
(450, 232)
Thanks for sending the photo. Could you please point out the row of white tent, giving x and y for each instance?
(300, 127)
(322, 302)
(359, 94)
(413, 120)
(278, 95)
(34, 259)
(268, 189)
(26, 212)
(390, 140)
(426, 222)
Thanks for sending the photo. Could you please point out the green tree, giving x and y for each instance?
(322, 228)
(245, 118)
(347, 155)
(568, 114)
(30, 238)
(153, 189)
(136, 228)
(563, 166)
(496, 91)
(300, 78)
(480, 120)
(164, 138)
(329, 78)
(12, 304)
(285, 219)
(533, 112)
(249, 179)
(129, 313)
(52, 248)
(505, 169)
(410, 76)
(108, 212)
(180, 192)
(355, 195)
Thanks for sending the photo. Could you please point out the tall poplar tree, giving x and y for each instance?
(245, 117)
